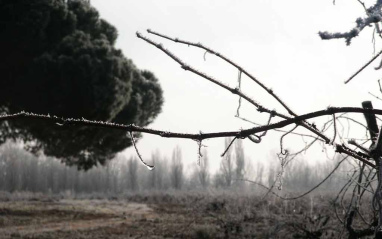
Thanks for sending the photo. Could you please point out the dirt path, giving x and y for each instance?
(63, 226)
(68, 216)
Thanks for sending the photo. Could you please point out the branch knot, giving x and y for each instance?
(185, 67)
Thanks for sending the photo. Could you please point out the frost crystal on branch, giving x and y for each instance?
(374, 15)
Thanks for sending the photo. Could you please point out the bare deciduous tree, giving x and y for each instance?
(227, 165)
(203, 170)
(176, 169)
(153, 176)
(240, 167)
(132, 174)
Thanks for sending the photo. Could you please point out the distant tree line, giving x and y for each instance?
(23, 171)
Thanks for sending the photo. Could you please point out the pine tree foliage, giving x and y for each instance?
(59, 58)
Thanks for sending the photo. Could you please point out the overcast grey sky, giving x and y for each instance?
(275, 40)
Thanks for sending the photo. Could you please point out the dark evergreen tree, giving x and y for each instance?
(59, 58)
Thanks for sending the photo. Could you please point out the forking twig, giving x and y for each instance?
(339, 148)
(259, 107)
(269, 190)
(199, 45)
(207, 49)
(279, 130)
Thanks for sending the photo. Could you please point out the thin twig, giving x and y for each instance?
(342, 131)
(363, 67)
(282, 131)
(199, 45)
(374, 96)
(283, 152)
(306, 147)
(257, 138)
(355, 121)
(345, 187)
(307, 192)
(186, 67)
(150, 167)
(354, 154)
(363, 5)
(369, 183)
(334, 128)
(200, 155)
(204, 56)
(259, 107)
(353, 142)
(269, 121)
(229, 146)
(239, 87)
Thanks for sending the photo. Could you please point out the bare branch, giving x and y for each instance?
(363, 5)
(363, 67)
(150, 167)
(374, 96)
(239, 134)
(239, 87)
(199, 45)
(204, 56)
(334, 128)
(306, 147)
(229, 146)
(353, 142)
(304, 194)
(373, 16)
(236, 91)
(358, 155)
(282, 151)
(373, 41)
(353, 120)
(269, 121)
(279, 130)
(200, 155)
(257, 138)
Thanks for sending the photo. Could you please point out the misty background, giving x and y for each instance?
(21, 171)
(276, 41)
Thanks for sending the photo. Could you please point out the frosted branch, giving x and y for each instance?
(244, 133)
(374, 15)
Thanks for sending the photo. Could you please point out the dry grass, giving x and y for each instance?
(167, 215)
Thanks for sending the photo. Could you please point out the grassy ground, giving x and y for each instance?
(169, 215)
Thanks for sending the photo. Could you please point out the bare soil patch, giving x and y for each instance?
(37, 219)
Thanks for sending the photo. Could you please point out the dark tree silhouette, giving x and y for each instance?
(59, 58)
(77, 55)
